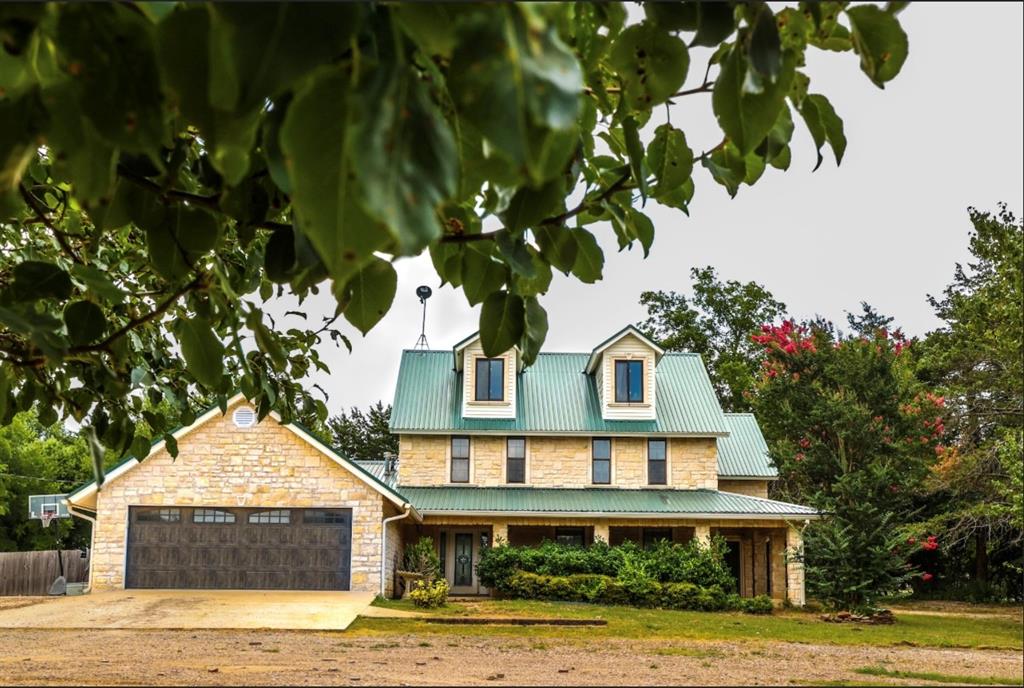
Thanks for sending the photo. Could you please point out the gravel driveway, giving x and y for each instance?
(309, 657)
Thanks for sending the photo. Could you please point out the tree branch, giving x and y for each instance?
(212, 202)
(41, 214)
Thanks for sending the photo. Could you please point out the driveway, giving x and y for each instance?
(191, 609)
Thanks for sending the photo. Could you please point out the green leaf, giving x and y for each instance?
(431, 26)
(85, 322)
(279, 255)
(34, 279)
(530, 206)
(266, 341)
(407, 157)
(824, 125)
(589, 258)
(96, 453)
(81, 155)
(635, 149)
(203, 351)
(520, 95)
(179, 239)
(557, 245)
(481, 275)
(514, 250)
(326, 198)
(21, 124)
(539, 282)
(652, 64)
(673, 16)
(670, 159)
(880, 41)
(140, 447)
(502, 322)
(747, 117)
(371, 292)
(765, 45)
(715, 23)
(535, 331)
(110, 53)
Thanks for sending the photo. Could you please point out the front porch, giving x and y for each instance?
(757, 554)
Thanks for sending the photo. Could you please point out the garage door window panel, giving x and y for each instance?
(212, 516)
(275, 516)
(158, 515)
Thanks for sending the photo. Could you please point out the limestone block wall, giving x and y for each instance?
(219, 464)
(557, 461)
(751, 488)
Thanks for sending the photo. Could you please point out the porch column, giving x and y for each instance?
(794, 566)
(601, 531)
(702, 534)
(499, 530)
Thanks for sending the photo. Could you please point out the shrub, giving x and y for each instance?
(429, 594)
(663, 563)
(762, 604)
(421, 558)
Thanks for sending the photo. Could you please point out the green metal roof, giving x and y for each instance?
(744, 453)
(554, 395)
(429, 500)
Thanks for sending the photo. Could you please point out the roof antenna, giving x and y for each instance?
(424, 293)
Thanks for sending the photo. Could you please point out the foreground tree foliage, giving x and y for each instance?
(167, 169)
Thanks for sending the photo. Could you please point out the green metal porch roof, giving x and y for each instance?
(744, 453)
(491, 500)
(554, 395)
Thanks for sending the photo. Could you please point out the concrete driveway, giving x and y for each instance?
(191, 609)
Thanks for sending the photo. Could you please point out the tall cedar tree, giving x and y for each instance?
(363, 435)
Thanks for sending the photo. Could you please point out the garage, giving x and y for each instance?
(263, 548)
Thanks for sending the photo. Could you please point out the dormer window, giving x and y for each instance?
(629, 382)
(490, 379)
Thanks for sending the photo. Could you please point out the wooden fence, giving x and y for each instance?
(31, 573)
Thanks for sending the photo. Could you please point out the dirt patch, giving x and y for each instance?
(131, 657)
(18, 602)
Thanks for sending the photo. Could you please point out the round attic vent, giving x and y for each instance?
(244, 417)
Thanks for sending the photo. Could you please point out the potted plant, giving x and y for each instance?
(419, 563)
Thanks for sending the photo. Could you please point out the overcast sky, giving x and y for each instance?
(886, 227)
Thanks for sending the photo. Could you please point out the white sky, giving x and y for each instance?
(886, 227)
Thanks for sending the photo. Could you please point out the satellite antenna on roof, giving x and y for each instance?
(424, 293)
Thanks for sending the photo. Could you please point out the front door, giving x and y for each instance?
(732, 561)
(463, 549)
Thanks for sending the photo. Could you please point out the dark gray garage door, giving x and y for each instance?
(233, 548)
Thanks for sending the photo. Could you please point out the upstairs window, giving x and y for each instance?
(490, 379)
(656, 453)
(515, 465)
(601, 455)
(629, 382)
(460, 460)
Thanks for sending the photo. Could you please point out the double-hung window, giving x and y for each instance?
(601, 461)
(656, 460)
(460, 460)
(515, 463)
(490, 379)
(629, 382)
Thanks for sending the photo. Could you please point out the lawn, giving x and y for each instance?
(917, 630)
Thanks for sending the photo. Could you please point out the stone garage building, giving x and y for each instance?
(243, 505)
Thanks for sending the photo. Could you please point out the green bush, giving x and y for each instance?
(421, 557)
(665, 562)
(429, 594)
(637, 589)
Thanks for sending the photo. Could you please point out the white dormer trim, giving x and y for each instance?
(628, 344)
(595, 355)
(466, 353)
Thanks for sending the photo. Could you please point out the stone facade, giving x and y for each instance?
(557, 461)
(219, 464)
(751, 488)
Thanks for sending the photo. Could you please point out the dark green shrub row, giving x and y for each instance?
(663, 563)
(636, 591)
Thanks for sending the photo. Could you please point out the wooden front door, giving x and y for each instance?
(234, 548)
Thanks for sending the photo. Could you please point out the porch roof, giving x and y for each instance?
(598, 502)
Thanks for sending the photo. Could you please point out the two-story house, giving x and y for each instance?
(625, 442)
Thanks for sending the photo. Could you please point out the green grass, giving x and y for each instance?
(940, 678)
(922, 630)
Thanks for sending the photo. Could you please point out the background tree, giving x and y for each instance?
(168, 169)
(716, 323)
(852, 433)
(35, 459)
(977, 361)
(360, 435)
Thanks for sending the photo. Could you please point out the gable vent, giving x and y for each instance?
(244, 417)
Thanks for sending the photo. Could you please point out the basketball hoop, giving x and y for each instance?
(47, 518)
